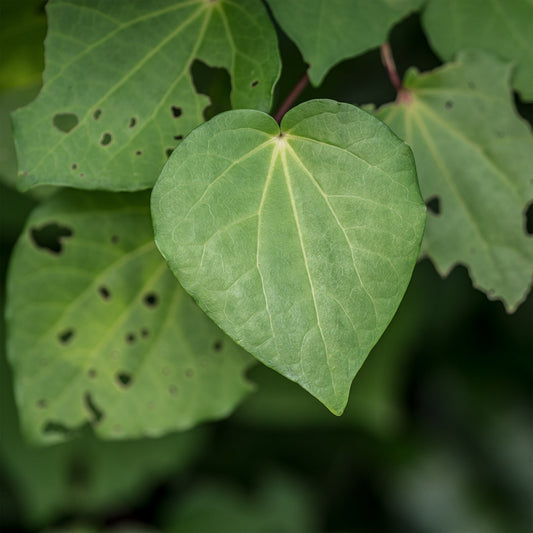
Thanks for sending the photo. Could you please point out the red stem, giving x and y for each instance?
(390, 66)
(293, 95)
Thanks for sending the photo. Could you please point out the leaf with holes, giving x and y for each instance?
(503, 27)
(85, 475)
(328, 31)
(299, 245)
(99, 330)
(474, 157)
(118, 93)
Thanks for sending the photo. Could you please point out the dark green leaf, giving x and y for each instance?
(328, 31)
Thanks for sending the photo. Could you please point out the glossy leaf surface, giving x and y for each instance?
(118, 93)
(328, 31)
(503, 27)
(474, 157)
(299, 246)
(100, 331)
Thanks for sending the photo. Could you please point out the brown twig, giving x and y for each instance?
(390, 66)
(293, 95)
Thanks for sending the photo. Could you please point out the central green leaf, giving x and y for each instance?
(299, 244)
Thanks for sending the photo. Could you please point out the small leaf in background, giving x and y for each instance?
(503, 27)
(474, 157)
(101, 332)
(328, 31)
(118, 94)
(299, 245)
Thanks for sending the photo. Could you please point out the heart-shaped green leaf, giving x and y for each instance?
(118, 93)
(100, 332)
(299, 245)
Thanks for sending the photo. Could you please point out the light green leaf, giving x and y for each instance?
(474, 156)
(118, 94)
(328, 31)
(100, 332)
(299, 246)
(503, 27)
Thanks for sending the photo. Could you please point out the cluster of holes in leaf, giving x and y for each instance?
(49, 237)
(65, 122)
(131, 337)
(434, 205)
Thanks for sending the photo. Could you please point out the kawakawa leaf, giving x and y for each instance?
(503, 27)
(100, 332)
(474, 157)
(328, 31)
(118, 94)
(300, 245)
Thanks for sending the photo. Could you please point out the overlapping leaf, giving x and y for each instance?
(328, 31)
(118, 94)
(99, 330)
(474, 157)
(503, 27)
(299, 245)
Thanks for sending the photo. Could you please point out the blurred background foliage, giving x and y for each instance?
(437, 437)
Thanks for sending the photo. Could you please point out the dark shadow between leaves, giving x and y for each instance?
(50, 236)
(215, 83)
